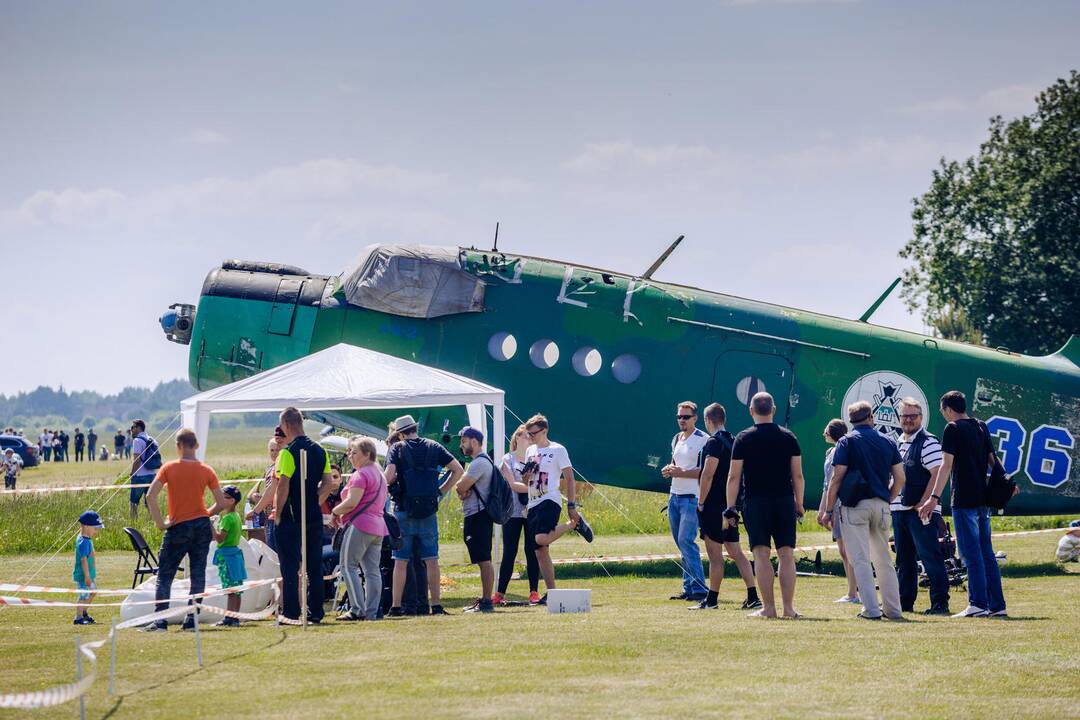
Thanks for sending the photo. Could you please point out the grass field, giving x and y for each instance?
(636, 655)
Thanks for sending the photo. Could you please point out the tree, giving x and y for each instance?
(997, 237)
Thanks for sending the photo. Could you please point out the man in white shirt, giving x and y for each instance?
(683, 471)
(547, 462)
(917, 540)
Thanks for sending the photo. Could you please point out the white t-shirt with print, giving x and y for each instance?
(686, 454)
(544, 484)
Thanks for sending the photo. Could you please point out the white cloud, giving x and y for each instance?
(324, 181)
(1007, 100)
(915, 152)
(69, 207)
(204, 136)
(625, 156)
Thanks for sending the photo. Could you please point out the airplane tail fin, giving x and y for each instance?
(1071, 350)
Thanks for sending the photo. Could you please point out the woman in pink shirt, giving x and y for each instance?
(361, 513)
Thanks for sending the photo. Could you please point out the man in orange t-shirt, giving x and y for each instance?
(187, 528)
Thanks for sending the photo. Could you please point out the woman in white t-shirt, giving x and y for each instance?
(512, 530)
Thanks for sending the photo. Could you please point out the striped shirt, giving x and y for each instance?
(931, 458)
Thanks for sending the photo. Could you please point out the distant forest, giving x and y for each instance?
(59, 409)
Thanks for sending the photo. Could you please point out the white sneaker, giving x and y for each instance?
(971, 611)
(846, 599)
(998, 614)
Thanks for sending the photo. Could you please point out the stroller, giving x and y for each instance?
(954, 564)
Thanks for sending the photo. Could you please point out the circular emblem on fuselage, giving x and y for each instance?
(884, 389)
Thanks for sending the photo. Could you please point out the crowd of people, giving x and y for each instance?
(380, 525)
(873, 486)
(56, 445)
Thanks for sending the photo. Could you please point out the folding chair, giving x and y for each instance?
(147, 563)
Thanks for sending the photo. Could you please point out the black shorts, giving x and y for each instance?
(770, 519)
(711, 522)
(477, 531)
(543, 518)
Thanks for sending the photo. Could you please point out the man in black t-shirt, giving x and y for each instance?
(767, 462)
(715, 463)
(966, 455)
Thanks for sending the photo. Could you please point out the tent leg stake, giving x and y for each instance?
(112, 658)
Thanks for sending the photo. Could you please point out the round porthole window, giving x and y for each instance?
(544, 353)
(587, 361)
(626, 368)
(502, 346)
(747, 388)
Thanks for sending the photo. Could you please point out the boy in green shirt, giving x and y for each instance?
(228, 557)
(85, 573)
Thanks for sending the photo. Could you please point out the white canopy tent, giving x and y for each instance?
(345, 377)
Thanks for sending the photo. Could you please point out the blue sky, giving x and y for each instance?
(141, 144)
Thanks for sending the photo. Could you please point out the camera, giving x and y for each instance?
(530, 467)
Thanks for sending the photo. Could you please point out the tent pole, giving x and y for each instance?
(303, 540)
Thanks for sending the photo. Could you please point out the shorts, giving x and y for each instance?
(422, 534)
(9, 482)
(711, 523)
(543, 518)
(137, 494)
(83, 585)
(770, 518)
(477, 530)
(230, 566)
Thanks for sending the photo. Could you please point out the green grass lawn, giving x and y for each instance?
(636, 655)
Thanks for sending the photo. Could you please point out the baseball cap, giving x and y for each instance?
(470, 432)
(91, 519)
(403, 423)
(231, 491)
(1075, 524)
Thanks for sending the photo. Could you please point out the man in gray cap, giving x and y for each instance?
(415, 463)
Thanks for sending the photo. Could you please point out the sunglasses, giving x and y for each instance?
(533, 433)
(684, 417)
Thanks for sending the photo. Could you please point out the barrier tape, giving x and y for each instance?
(35, 602)
(14, 588)
(81, 488)
(62, 693)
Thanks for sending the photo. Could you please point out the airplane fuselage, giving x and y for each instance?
(607, 357)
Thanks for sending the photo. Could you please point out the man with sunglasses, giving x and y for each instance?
(547, 462)
(683, 471)
(915, 539)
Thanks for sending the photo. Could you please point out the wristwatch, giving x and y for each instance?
(828, 513)
(936, 497)
(731, 513)
(570, 505)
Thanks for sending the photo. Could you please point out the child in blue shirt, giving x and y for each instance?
(85, 574)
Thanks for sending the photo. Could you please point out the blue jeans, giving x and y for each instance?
(682, 514)
(914, 542)
(422, 533)
(973, 541)
(189, 539)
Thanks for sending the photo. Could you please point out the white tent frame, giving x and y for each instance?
(196, 410)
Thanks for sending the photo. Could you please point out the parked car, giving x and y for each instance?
(27, 451)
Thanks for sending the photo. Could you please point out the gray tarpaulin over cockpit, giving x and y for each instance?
(420, 281)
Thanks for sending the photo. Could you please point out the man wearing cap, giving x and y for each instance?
(478, 526)
(188, 531)
(415, 462)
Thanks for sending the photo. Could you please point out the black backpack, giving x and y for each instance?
(499, 504)
(420, 496)
(999, 487)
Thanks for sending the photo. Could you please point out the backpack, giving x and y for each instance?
(420, 496)
(501, 497)
(999, 487)
(151, 455)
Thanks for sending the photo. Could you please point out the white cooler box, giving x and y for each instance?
(569, 601)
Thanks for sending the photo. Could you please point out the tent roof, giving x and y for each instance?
(345, 377)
